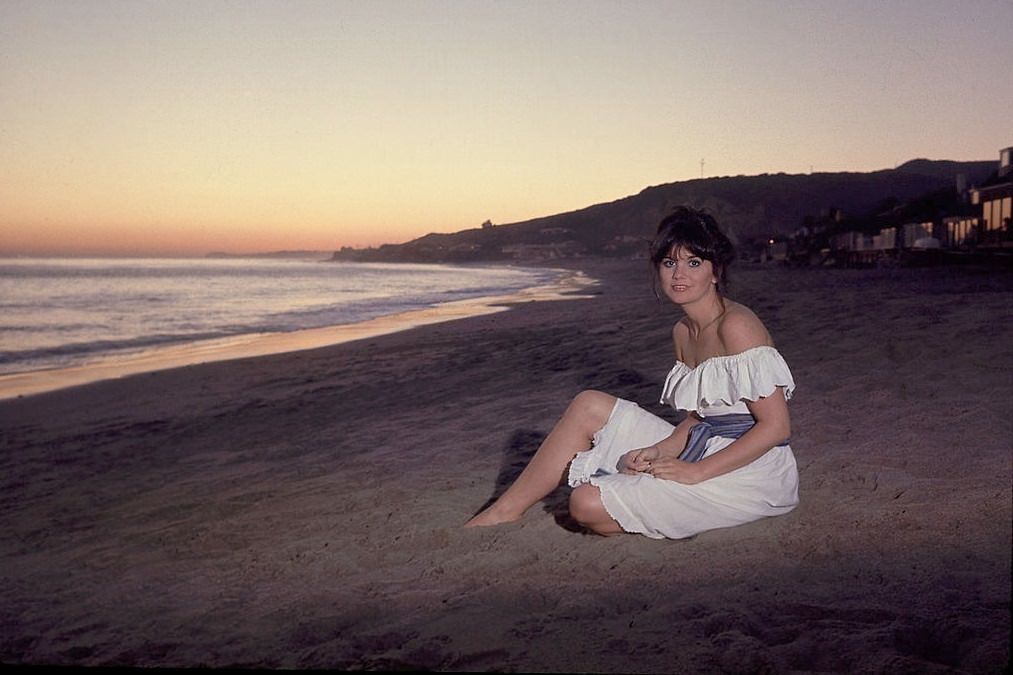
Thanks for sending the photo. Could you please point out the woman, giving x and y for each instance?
(728, 462)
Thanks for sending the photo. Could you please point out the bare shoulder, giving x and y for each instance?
(740, 329)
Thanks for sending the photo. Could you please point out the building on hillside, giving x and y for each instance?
(996, 199)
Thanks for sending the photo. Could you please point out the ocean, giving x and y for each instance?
(57, 313)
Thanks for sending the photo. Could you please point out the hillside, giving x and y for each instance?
(752, 208)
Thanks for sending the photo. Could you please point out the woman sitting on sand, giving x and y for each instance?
(727, 463)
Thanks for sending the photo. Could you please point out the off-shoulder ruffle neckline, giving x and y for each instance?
(720, 357)
(728, 379)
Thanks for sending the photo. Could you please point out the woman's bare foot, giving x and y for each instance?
(491, 516)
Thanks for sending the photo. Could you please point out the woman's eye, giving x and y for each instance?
(694, 263)
(668, 262)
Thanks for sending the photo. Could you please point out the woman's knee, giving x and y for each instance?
(586, 507)
(594, 407)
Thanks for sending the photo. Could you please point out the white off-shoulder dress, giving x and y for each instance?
(658, 508)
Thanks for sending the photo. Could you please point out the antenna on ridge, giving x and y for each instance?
(701, 167)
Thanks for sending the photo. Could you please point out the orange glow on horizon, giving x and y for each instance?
(79, 239)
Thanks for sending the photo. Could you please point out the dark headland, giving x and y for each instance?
(753, 208)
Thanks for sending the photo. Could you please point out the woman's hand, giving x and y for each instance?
(670, 468)
(639, 460)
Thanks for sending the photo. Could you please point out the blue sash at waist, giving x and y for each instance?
(722, 426)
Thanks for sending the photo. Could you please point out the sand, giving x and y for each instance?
(303, 510)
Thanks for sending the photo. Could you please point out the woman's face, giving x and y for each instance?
(686, 277)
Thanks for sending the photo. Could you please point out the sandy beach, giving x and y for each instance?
(303, 510)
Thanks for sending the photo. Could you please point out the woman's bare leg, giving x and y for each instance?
(586, 414)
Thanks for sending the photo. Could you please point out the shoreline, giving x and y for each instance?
(569, 284)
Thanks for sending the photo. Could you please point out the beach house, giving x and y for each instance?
(996, 199)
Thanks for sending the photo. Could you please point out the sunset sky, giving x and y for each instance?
(149, 127)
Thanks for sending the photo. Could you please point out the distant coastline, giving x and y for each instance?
(755, 209)
(273, 255)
